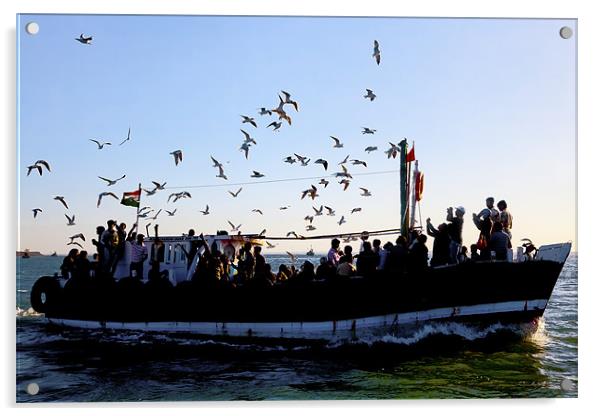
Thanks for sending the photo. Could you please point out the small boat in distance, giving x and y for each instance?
(26, 254)
(311, 252)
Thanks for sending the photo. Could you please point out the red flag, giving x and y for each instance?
(131, 199)
(410, 157)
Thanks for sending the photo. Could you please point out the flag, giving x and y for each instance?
(131, 199)
(419, 185)
(410, 157)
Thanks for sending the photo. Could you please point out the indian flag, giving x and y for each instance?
(131, 199)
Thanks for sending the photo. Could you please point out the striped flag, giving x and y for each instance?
(131, 199)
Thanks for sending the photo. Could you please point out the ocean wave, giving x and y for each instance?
(26, 313)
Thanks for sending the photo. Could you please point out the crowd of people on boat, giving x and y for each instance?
(121, 253)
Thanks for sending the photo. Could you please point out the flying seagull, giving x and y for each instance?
(110, 181)
(249, 120)
(337, 142)
(245, 148)
(177, 155)
(281, 113)
(345, 173)
(62, 200)
(127, 138)
(275, 124)
(100, 196)
(368, 130)
(75, 243)
(371, 149)
(151, 192)
(80, 235)
(100, 144)
(358, 162)
(309, 218)
(159, 186)
(310, 227)
(35, 212)
(283, 208)
(155, 217)
(221, 173)
(318, 212)
(234, 228)
(70, 219)
(248, 138)
(171, 213)
(260, 212)
(270, 245)
(263, 112)
(370, 94)
(287, 100)
(257, 174)
(83, 39)
(235, 194)
(38, 165)
(292, 256)
(342, 220)
(292, 233)
(206, 211)
(179, 195)
(365, 192)
(392, 151)
(323, 162)
(311, 191)
(216, 164)
(345, 183)
(289, 159)
(323, 182)
(331, 212)
(355, 210)
(342, 162)
(376, 53)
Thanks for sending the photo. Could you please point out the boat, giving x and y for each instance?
(26, 254)
(310, 253)
(380, 304)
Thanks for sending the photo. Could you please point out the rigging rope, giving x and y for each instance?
(330, 236)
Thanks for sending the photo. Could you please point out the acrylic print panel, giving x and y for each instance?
(288, 133)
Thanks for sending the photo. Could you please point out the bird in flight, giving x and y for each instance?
(292, 256)
(71, 220)
(371, 149)
(75, 243)
(287, 100)
(365, 192)
(310, 227)
(159, 186)
(156, 215)
(331, 212)
(171, 213)
(263, 112)
(80, 235)
(313, 192)
(283, 208)
(368, 130)
(323, 162)
(234, 228)
(235, 194)
(342, 220)
(151, 192)
(127, 138)
(281, 113)
(221, 173)
(248, 138)
(345, 183)
(260, 212)
(177, 155)
(36, 211)
(270, 245)
(250, 120)
(100, 144)
(83, 39)
(337, 142)
(178, 195)
(323, 182)
(216, 164)
(318, 212)
(355, 210)
(392, 151)
(110, 181)
(292, 233)
(206, 211)
(38, 165)
(257, 174)
(358, 162)
(376, 52)
(345, 173)
(62, 200)
(289, 159)
(275, 124)
(103, 194)
(303, 159)
(245, 148)
(370, 94)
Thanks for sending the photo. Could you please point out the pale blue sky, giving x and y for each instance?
(490, 104)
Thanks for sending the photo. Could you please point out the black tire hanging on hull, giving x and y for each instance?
(44, 293)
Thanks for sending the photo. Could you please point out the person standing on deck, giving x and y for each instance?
(440, 243)
(505, 217)
(333, 254)
(454, 228)
(139, 255)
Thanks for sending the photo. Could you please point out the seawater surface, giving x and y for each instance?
(440, 361)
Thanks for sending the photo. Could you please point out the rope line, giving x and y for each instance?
(275, 180)
(330, 236)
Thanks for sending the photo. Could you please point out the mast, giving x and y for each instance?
(403, 188)
(138, 208)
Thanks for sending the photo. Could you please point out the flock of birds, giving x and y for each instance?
(283, 112)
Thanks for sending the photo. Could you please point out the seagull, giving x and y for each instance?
(392, 151)
(177, 155)
(75, 243)
(310, 228)
(292, 233)
(345, 173)
(233, 227)
(283, 208)
(323, 162)
(105, 194)
(171, 213)
(370, 95)
(257, 211)
(365, 192)
(216, 164)
(287, 100)
(245, 148)
(368, 131)
(309, 218)
(304, 160)
(248, 138)
(111, 182)
(311, 191)
(100, 144)
(235, 194)
(281, 113)
(221, 173)
(127, 138)
(344, 160)
(292, 256)
(70, 219)
(35, 212)
(376, 53)
(318, 212)
(206, 211)
(179, 195)
(323, 182)
(38, 165)
(289, 159)
(83, 39)
(257, 174)
(262, 233)
(151, 192)
(358, 162)
(159, 186)
(263, 112)
(342, 220)
(80, 235)
(331, 212)
(145, 214)
(345, 183)
(371, 149)
(249, 120)
(275, 124)
(270, 245)
(62, 200)
(337, 142)
(156, 215)
(355, 210)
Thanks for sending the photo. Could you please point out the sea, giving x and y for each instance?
(439, 361)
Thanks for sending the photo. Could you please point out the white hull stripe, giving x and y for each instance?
(327, 330)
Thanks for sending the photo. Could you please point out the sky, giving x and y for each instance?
(489, 104)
